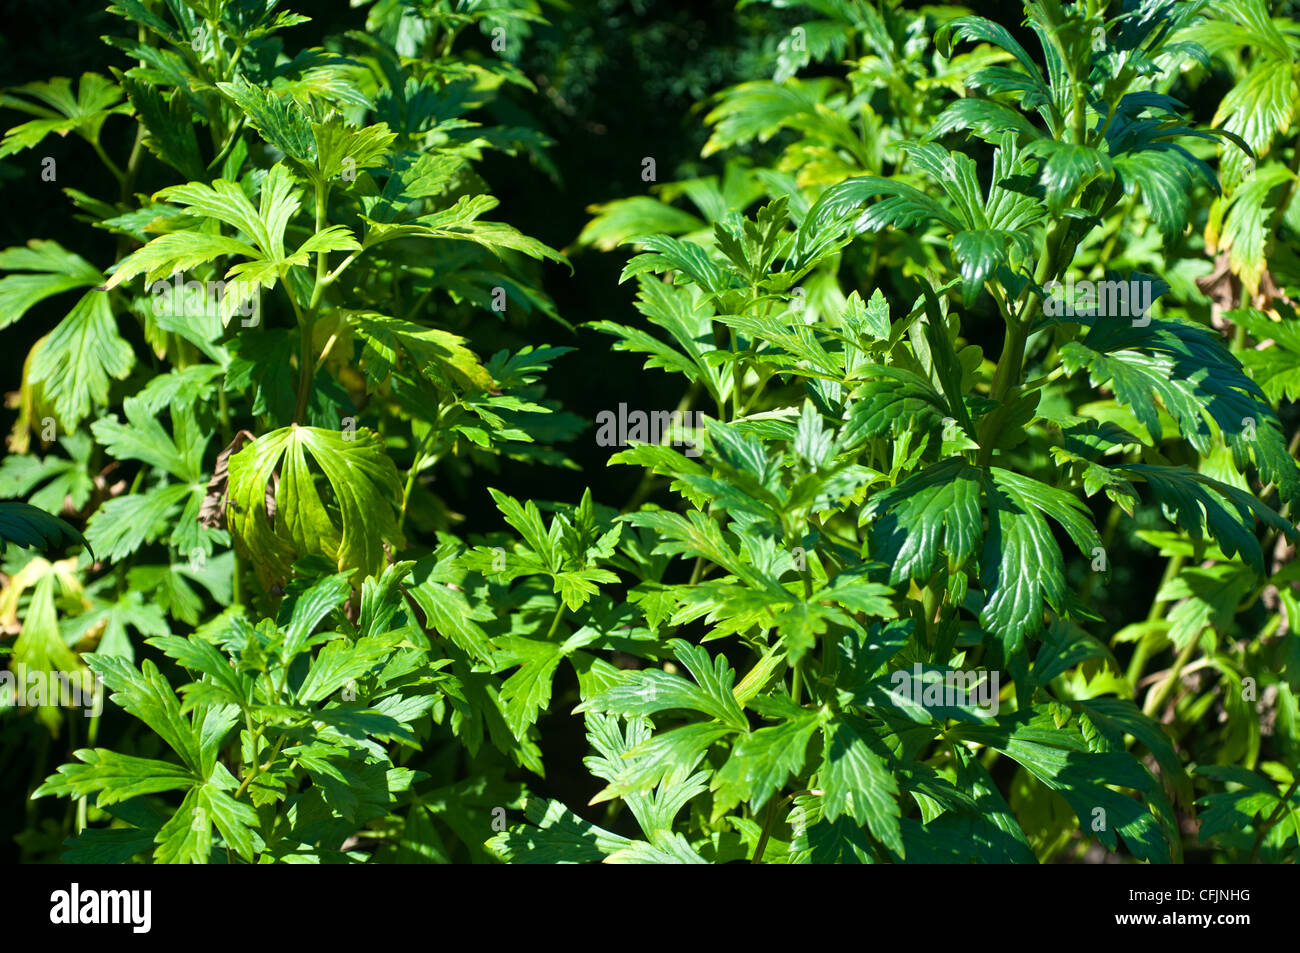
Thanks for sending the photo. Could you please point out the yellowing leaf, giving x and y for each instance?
(351, 528)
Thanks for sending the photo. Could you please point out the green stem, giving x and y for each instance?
(1157, 697)
(333, 275)
(233, 138)
(1010, 367)
(1109, 248)
(109, 163)
(257, 766)
(236, 583)
(217, 46)
(322, 257)
(1107, 538)
(929, 610)
(307, 321)
(1272, 819)
(1143, 651)
(306, 365)
(767, 830)
(737, 375)
(555, 623)
(1006, 377)
(223, 411)
(415, 469)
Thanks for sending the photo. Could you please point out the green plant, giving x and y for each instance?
(873, 599)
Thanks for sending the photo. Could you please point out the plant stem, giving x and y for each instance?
(414, 471)
(1010, 367)
(1005, 378)
(1272, 819)
(307, 321)
(109, 163)
(1157, 697)
(1107, 537)
(258, 767)
(767, 831)
(1143, 650)
(1108, 249)
(555, 623)
(306, 366)
(333, 275)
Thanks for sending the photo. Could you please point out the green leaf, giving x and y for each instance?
(28, 526)
(396, 346)
(937, 507)
(341, 662)
(1166, 182)
(365, 490)
(143, 438)
(654, 690)
(1200, 503)
(277, 118)
(461, 223)
(76, 362)
(125, 523)
(113, 778)
(342, 148)
(857, 781)
(556, 836)
(1197, 379)
(169, 124)
(987, 119)
(438, 591)
(59, 110)
(615, 223)
(302, 611)
(224, 201)
(893, 400)
(1241, 224)
(50, 270)
(763, 760)
(129, 610)
(1059, 759)
(1261, 105)
(528, 690)
(1068, 167)
(147, 695)
(60, 480)
(1022, 566)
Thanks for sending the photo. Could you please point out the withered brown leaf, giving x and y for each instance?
(212, 513)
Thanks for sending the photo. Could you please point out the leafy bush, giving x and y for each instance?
(878, 597)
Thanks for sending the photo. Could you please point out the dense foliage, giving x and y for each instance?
(957, 326)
